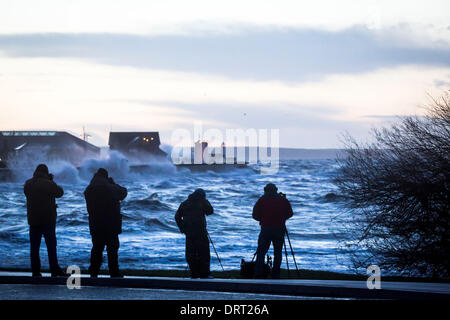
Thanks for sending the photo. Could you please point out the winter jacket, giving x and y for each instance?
(103, 198)
(190, 216)
(272, 210)
(41, 192)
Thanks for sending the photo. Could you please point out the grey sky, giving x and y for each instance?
(254, 53)
(313, 70)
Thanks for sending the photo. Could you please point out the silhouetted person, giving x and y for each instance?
(191, 220)
(103, 198)
(271, 210)
(41, 192)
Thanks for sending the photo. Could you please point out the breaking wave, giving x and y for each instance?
(150, 238)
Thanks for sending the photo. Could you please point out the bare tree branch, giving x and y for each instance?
(399, 194)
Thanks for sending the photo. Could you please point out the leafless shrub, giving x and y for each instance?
(399, 194)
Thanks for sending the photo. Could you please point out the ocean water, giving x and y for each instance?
(150, 238)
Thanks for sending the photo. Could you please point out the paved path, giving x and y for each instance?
(287, 288)
(60, 292)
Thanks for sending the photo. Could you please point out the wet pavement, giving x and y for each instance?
(61, 292)
(20, 285)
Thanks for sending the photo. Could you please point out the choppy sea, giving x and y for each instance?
(150, 238)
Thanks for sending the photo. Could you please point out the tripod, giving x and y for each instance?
(218, 258)
(292, 252)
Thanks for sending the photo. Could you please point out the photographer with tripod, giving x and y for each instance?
(191, 220)
(271, 210)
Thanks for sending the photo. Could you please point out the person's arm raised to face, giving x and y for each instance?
(289, 212)
(257, 211)
(123, 192)
(179, 218)
(59, 191)
(118, 192)
(54, 190)
(26, 189)
(207, 207)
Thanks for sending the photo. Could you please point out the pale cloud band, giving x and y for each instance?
(66, 94)
(257, 54)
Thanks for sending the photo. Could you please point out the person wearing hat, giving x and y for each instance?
(103, 198)
(40, 192)
(191, 220)
(271, 210)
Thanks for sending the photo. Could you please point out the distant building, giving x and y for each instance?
(44, 146)
(199, 149)
(138, 144)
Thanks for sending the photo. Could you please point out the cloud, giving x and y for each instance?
(258, 115)
(299, 125)
(66, 94)
(441, 83)
(291, 55)
(182, 17)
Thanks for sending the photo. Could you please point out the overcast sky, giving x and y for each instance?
(313, 69)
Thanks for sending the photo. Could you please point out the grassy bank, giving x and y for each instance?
(304, 274)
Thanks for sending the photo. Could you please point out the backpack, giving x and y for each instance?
(248, 268)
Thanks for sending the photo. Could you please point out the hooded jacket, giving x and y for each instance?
(103, 198)
(272, 210)
(41, 192)
(191, 215)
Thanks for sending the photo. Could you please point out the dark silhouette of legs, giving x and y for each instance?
(35, 244)
(263, 246)
(277, 240)
(266, 237)
(50, 241)
(192, 256)
(36, 233)
(204, 257)
(98, 245)
(198, 255)
(112, 248)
